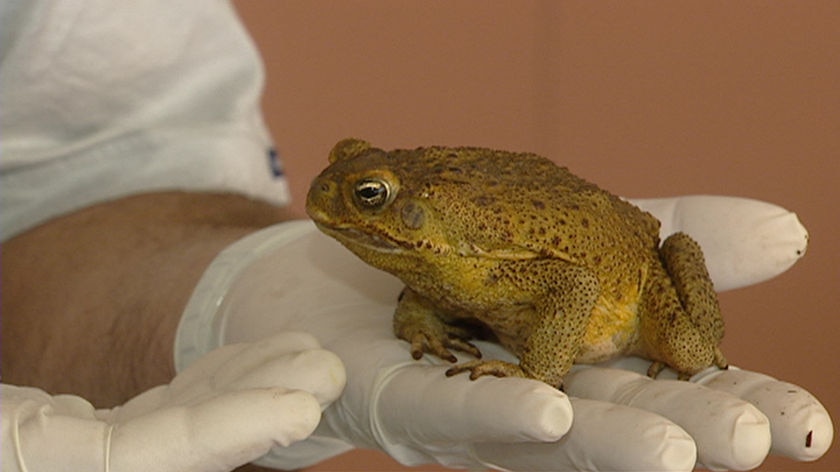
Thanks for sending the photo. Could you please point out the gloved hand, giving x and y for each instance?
(227, 409)
(293, 278)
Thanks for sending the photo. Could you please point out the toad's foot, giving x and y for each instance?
(489, 367)
(437, 339)
(416, 320)
(656, 367)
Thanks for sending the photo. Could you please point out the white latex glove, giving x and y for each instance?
(293, 277)
(227, 409)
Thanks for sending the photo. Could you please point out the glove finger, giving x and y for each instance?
(317, 371)
(800, 425)
(256, 353)
(216, 435)
(419, 402)
(292, 360)
(605, 437)
(412, 411)
(246, 356)
(729, 432)
(744, 241)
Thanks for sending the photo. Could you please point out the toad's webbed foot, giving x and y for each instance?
(495, 368)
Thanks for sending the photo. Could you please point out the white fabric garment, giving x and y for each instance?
(100, 100)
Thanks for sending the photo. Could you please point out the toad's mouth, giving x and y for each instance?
(352, 236)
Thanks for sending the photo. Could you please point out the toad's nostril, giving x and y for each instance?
(320, 187)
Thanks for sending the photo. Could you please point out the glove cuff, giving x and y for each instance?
(65, 425)
(201, 328)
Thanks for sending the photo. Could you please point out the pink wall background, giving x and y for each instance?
(647, 99)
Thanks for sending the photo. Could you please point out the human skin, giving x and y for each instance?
(91, 300)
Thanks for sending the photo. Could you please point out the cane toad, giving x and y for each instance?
(557, 269)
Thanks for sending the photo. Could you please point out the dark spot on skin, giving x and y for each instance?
(538, 204)
(483, 200)
(585, 223)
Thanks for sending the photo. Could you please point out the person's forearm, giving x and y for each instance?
(91, 300)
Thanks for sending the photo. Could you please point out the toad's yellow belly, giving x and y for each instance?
(612, 330)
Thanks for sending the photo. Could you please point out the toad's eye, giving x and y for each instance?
(372, 193)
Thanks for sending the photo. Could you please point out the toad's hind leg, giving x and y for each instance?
(683, 259)
(687, 322)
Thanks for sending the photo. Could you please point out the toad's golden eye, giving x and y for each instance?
(372, 193)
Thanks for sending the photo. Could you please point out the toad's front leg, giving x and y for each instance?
(563, 308)
(562, 318)
(417, 321)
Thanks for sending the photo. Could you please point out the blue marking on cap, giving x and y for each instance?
(274, 163)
